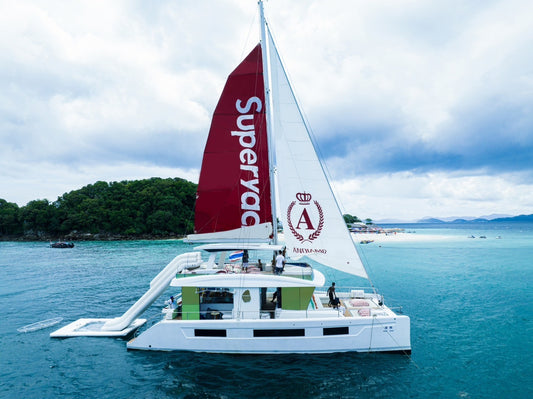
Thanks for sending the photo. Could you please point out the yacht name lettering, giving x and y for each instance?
(309, 250)
(248, 157)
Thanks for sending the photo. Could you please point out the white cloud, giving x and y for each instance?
(410, 196)
(46, 180)
(418, 69)
(432, 100)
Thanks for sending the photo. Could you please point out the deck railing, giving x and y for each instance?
(254, 315)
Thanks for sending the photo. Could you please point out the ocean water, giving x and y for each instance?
(470, 303)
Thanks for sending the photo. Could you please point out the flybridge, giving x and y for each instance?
(250, 203)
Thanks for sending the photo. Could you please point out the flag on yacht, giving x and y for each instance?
(235, 256)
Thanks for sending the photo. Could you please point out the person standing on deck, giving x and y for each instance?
(245, 260)
(173, 310)
(171, 303)
(280, 262)
(333, 300)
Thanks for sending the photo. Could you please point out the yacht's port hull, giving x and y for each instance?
(271, 336)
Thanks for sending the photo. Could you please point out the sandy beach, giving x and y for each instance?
(398, 237)
(391, 237)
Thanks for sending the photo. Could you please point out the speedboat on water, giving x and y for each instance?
(241, 289)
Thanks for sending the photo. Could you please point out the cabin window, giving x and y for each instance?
(215, 296)
(296, 332)
(209, 333)
(246, 297)
(336, 330)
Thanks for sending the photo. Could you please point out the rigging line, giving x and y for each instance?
(371, 334)
(247, 40)
(151, 319)
(309, 132)
(366, 263)
(360, 251)
(397, 343)
(284, 71)
(308, 127)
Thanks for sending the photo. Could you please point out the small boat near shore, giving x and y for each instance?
(61, 244)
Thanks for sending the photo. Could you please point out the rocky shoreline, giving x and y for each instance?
(73, 237)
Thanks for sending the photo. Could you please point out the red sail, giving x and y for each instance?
(234, 186)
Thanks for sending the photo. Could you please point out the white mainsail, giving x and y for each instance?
(312, 221)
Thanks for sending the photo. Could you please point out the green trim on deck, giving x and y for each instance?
(190, 303)
(296, 298)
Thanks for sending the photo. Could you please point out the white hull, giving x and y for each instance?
(239, 314)
(370, 334)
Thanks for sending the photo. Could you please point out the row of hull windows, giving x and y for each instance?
(295, 332)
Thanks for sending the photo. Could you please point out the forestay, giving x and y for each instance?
(312, 222)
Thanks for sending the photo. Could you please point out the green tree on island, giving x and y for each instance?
(154, 207)
(9, 218)
(349, 219)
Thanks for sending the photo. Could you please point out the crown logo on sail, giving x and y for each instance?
(308, 221)
(304, 198)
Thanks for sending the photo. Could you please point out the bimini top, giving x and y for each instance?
(239, 245)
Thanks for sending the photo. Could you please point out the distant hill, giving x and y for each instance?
(393, 221)
(430, 220)
(520, 218)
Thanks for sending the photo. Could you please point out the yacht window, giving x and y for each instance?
(209, 333)
(297, 332)
(336, 330)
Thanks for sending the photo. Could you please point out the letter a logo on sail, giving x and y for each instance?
(304, 219)
(307, 218)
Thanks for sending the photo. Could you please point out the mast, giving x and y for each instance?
(269, 119)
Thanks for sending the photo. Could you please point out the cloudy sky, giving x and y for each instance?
(420, 108)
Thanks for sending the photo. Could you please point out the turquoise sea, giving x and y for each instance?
(469, 299)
